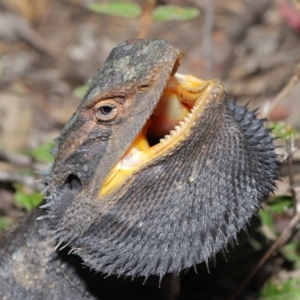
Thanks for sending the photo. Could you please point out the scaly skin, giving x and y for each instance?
(31, 269)
(179, 209)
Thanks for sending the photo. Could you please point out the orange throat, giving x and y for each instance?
(169, 125)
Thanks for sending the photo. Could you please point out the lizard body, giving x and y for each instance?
(129, 204)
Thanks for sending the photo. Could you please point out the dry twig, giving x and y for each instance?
(22, 161)
(283, 93)
(23, 179)
(207, 37)
(14, 27)
(283, 238)
(290, 149)
(146, 18)
(239, 27)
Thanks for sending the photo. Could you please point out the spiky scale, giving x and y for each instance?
(134, 227)
(53, 151)
(42, 218)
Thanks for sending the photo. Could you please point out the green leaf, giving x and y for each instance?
(266, 219)
(279, 204)
(41, 153)
(282, 130)
(25, 200)
(174, 13)
(120, 9)
(288, 289)
(290, 253)
(80, 90)
(4, 222)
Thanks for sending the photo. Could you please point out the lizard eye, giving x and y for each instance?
(106, 110)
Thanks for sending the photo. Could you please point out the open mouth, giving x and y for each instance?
(171, 122)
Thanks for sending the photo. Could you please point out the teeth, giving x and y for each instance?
(172, 132)
(177, 128)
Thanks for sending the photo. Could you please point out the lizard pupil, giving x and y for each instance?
(106, 110)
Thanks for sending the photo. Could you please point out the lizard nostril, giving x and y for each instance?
(73, 183)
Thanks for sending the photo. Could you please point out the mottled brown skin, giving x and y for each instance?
(179, 210)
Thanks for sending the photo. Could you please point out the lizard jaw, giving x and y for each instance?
(172, 121)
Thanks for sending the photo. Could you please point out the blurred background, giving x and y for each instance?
(50, 49)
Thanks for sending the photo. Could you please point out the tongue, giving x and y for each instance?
(167, 114)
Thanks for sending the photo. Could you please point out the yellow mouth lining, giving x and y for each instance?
(192, 93)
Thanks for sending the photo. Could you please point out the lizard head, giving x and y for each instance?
(156, 171)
